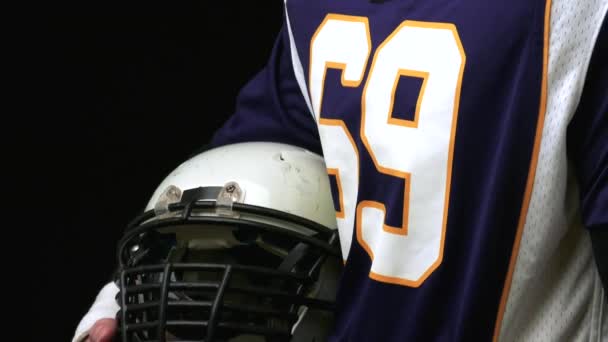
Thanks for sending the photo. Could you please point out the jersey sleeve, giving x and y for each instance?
(271, 106)
(588, 138)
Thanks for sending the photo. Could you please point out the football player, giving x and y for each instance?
(468, 142)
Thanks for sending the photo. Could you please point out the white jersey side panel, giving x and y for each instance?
(556, 293)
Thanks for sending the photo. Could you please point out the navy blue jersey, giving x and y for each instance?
(467, 142)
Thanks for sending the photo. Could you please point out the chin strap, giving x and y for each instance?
(314, 325)
(317, 325)
(295, 255)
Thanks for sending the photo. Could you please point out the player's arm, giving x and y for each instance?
(588, 150)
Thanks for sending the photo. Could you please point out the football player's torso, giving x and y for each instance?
(429, 114)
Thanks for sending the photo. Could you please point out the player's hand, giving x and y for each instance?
(102, 331)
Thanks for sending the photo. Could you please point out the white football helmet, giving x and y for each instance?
(238, 243)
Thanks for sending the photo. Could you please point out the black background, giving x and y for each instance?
(118, 95)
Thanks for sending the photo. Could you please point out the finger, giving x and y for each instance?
(103, 330)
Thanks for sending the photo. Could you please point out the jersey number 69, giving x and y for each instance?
(419, 150)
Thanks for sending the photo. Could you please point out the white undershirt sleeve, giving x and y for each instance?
(105, 306)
